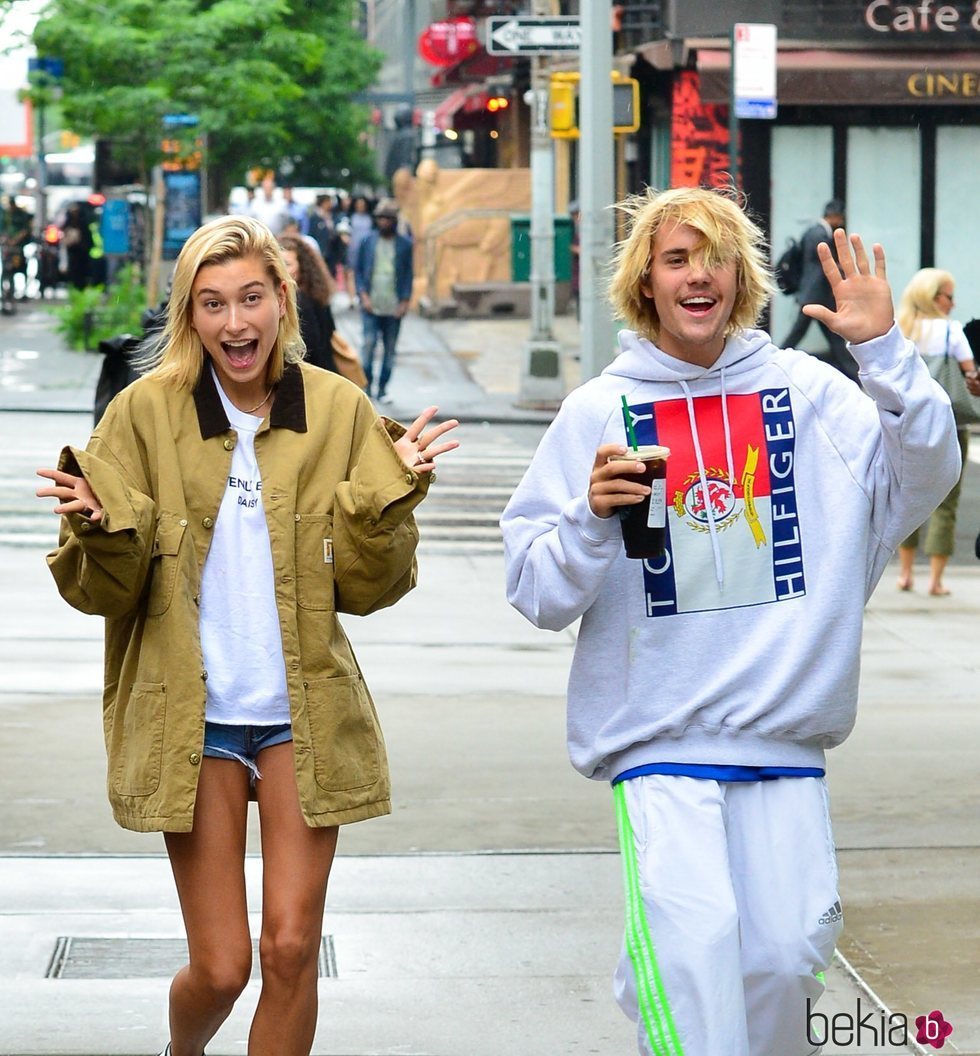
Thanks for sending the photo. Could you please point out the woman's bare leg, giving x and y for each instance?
(296, 863)
(906, 558)
(937, 566)
(209, 869)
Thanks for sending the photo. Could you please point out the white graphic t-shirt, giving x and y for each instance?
(240, 633)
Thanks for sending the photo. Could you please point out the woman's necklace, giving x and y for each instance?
(252, 410)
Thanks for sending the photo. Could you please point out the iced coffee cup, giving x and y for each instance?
(644, 524)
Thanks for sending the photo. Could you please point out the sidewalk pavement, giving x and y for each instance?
(464, 924)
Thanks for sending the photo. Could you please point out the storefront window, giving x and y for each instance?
(802, 182)
(956, 236)
(883, 194)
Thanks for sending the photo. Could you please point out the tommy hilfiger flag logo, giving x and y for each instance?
(751, 504)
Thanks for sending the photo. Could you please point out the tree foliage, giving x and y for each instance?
(270, 81)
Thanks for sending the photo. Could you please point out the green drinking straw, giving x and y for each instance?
(628, 419)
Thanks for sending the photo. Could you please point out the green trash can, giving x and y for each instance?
(520, 248)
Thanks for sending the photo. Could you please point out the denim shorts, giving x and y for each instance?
(227, 741)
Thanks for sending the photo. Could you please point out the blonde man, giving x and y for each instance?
(709, 681)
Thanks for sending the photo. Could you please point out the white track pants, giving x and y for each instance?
(732, 911)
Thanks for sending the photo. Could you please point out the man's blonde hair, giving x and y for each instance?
(726, 233)
(179, 355)
(918, 300)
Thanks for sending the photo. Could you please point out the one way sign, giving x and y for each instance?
(516, 35)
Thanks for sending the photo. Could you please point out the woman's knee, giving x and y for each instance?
(224, 977)
(288, 953)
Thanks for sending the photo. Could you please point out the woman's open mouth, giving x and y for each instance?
(240, 354)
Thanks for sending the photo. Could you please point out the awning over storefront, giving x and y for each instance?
(468, 100)
(820, 77)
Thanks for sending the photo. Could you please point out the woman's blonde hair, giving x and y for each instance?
(178, 355)
(918, 300)
(726, 233)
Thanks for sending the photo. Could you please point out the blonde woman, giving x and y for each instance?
(923, 316)
(228, 506)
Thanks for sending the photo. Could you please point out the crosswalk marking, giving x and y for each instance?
(460, 514)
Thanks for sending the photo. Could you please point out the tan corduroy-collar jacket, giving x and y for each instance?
(338, 503)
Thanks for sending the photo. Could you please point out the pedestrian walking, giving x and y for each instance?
(268, 205)
(383, 278)
(711, 675)
(923, 316)
(314, 288)
(815, 289)
(15, 236)
(360, 226)
(231, 503)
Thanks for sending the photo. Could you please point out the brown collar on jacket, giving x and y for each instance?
(288, 409)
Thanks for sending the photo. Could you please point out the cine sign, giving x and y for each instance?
(754, 70)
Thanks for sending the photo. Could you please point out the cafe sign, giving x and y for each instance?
(925, 18)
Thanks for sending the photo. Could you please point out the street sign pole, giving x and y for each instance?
(541, 380)
(733, 112)
(596, 187)
(752, 84)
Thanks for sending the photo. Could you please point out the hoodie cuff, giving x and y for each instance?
(595, 530)
(881, 354)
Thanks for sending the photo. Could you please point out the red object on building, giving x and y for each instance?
(448, 42)
(699, 136)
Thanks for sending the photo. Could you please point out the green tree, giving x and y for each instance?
(270, 81)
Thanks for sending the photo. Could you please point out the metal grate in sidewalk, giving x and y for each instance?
(125, 957)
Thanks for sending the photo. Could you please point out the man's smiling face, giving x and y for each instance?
(694, 302)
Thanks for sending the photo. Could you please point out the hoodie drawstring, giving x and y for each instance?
(703, 477)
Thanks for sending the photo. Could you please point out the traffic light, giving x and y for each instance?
(496, 103)
(563, 104)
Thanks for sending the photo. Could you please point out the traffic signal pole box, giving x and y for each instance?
(563, 104)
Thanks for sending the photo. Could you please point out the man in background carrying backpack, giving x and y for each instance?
(815, 289)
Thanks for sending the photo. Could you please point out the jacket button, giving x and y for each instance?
(409, 478)
(84, 527)
(229, 445)
(204, 676)
(208, 522)
(183, 522)
(297, 517)
(194, 759)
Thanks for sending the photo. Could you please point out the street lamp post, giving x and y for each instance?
(596, 183)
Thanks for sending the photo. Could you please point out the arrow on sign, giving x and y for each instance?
(527, 35)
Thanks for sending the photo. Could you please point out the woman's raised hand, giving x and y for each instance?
(73, 494)
(418, 448)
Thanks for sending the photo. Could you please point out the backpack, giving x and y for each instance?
(789, 268)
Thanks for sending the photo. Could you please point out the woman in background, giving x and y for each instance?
(314, 289)
(923, 317)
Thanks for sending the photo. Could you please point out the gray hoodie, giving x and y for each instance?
(788, 488)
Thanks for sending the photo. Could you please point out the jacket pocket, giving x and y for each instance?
(137, 740)
(163, 564)
(345, 733)
(314, 561)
